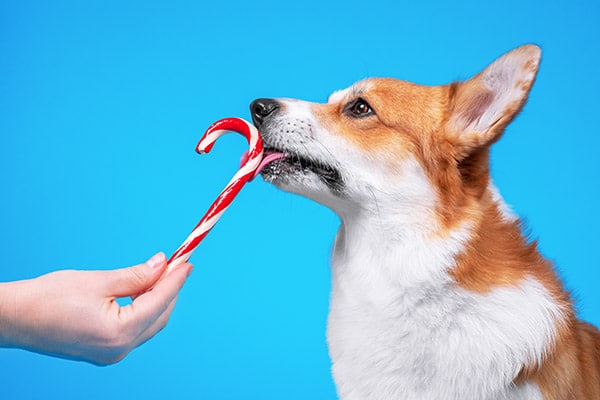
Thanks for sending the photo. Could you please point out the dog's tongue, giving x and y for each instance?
(269, 157)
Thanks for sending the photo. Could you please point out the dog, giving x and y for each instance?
(436, 291)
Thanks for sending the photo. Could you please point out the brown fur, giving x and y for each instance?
(571, 371)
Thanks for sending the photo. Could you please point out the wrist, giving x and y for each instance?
(7, 303)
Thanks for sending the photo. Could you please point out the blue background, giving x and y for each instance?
(101, 106)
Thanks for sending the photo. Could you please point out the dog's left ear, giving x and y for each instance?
(481, 107)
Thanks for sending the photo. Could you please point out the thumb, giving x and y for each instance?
(133, 280)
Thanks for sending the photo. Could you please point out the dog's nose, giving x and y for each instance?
(261, 109)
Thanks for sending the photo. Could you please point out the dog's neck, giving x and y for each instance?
(396, 244)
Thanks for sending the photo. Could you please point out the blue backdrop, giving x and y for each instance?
(101, 106)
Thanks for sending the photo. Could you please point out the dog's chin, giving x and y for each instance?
(303, 176)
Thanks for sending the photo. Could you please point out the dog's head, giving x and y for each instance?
(389, 140)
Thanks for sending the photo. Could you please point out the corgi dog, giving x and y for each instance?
(436, 292)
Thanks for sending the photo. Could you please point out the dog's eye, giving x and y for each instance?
(360, 108)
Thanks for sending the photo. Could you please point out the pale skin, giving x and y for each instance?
(74, 314)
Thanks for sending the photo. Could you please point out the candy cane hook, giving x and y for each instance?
(250, 163)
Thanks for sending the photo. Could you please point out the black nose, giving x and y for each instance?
(261, 109)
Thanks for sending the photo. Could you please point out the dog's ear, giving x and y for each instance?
(481, 107)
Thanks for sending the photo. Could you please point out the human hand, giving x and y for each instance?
(74, 314)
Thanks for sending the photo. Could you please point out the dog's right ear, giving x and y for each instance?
(483, 106)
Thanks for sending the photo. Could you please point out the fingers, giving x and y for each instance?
(156, 326)
(150, 311)
(133, 280)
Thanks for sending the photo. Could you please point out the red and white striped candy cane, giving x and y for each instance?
(250, 163)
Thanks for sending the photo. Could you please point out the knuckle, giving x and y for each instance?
(137, 276)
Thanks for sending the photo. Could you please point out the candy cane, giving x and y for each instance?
(251, 162)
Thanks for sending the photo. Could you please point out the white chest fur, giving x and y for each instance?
(399, 328)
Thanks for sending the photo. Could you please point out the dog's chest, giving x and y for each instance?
(433, 340)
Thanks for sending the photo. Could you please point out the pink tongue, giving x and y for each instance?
(268, 158)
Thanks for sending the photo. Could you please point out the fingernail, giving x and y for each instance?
(156, 260)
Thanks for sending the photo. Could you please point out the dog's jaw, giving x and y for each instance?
(308, 169)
